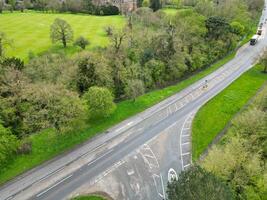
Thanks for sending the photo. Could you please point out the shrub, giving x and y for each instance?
(99, 101)
(198, 184)
(81, 42)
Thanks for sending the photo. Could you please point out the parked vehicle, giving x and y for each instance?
(259, 32)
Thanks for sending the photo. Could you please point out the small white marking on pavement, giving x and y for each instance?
(187, 165)
(186, 143)
(185, 154)
(40, 194)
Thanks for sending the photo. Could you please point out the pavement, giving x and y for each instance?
(136, 158)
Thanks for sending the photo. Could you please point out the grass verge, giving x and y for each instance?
(47, 144)
(215, 114)
(88, 198)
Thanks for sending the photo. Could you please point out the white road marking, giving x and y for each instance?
(187, 135)
(185, 154)
(162, 187)
(40, 194)
(187, 165)
(186, 143)
(100, 157)
(181, 140)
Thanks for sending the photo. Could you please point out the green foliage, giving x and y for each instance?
(217, 27)
(234, 163)
(61, 31)
(263, 61)
(93, 71)
(81, 42)
(13, 62)
(198, 184)
(155, 5)
(8, 145)
(134, 88)
(100, 102)
(237, 28)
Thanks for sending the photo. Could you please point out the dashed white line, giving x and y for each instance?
(186, 143)
(162, 187)
(187, 165)
(40, 194)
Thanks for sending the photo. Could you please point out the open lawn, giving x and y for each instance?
(30, 31)
(217, 113)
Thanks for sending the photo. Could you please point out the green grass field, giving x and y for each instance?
(216, 114)
(30, 31)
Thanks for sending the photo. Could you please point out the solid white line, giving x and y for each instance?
(99, 157)
(162, 187)
(98, 147)
(38, 195)
(49, 175)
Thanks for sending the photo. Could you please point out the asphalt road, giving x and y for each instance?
(134, 159)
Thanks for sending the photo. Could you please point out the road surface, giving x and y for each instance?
(134, 159)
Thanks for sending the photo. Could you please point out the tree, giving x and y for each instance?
(93, 71)
(117, 38)
(8, 145)
(235, 164)
(263, 61)
(99, 101)
(61, 31)
(51, 106)
(134, 88)
(198, 184)
(1, 6)
(81, 42)
(4, 43)
(155, 5)
(237, 28)
(217, 27)
(12, 4)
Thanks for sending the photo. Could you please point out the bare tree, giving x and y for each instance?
(61, 31)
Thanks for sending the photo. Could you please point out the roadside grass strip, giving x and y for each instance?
(212, 118)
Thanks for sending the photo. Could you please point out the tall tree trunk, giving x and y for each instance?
(64, 41)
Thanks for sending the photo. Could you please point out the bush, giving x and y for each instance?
(99, 101)
(13, 62)
(134, 88)
(198, 184)
(107, 10)
(8, 145)
(81, 42)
